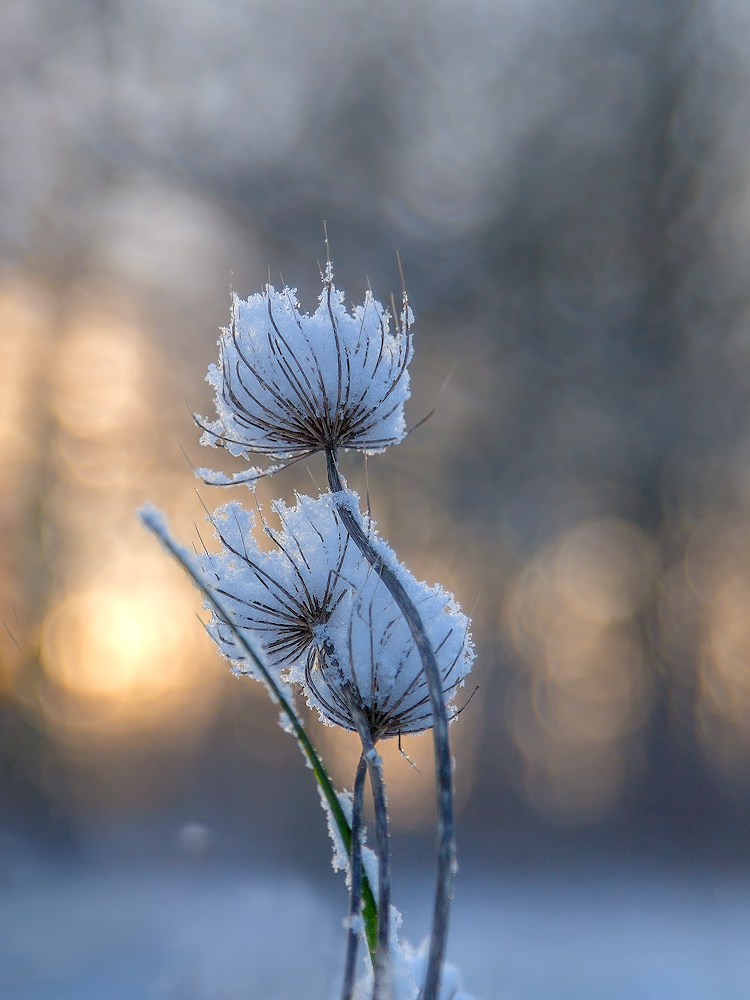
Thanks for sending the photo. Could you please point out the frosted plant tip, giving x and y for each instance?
(289, 384)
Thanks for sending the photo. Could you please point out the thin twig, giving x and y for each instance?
(381, 988)
(355, 868)
(446, 840)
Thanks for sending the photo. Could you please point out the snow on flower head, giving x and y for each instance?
(283, 597)
(289, 384)
(327, 622)
(368, 660)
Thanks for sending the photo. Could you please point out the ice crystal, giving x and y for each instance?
(289, 384)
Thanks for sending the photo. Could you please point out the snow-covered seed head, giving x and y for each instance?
(289, 384)
(326, 621)
(368, 662)
(282, 597)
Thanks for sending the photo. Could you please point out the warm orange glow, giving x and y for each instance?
(104, 465)
(411, 795)
(603, 570)
(725, 673)
(23, 330)
(716, 585)
(112, 644)
(132, 646)
(567, 616)
(409, 775)
(25, 335)
(120, 646)
(98, 377)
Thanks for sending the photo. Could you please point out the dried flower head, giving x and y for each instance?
(326, 620)
(290, 384)
(368, 660)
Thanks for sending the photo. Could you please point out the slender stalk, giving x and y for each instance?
(355, 868)
(153, 522)
(446, 839)
(381, 988)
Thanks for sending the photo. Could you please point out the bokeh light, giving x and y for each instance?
(26, 336)
(585, 689)
(568, 197)
(127, 644)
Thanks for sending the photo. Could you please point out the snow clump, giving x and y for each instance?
(326, 621)
(289, 384)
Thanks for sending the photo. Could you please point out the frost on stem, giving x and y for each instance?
(289, 384)
(325, 619)
(408, 965)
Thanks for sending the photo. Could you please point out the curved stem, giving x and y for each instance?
(152, 520)
(446, 839)
(355, 868)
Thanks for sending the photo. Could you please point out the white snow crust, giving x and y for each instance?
(407, 970)
(290, 383)
(326, 621)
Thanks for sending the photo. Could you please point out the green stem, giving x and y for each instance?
(369, 907)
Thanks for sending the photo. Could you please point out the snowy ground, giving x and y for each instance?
(146, 935)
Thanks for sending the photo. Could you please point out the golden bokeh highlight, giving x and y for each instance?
(725, 668)
(26, 333)
(120, 647)
(109, 465)
(568, 615)
(717, 570)
(126, 652)
(23, 335)
(604, 569)
(99, 377)
(82, 423)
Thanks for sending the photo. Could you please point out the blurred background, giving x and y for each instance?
(567, 186)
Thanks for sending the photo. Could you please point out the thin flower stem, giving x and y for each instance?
(370, 916)
(446, 838)
(381, 987)
(355, 868)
